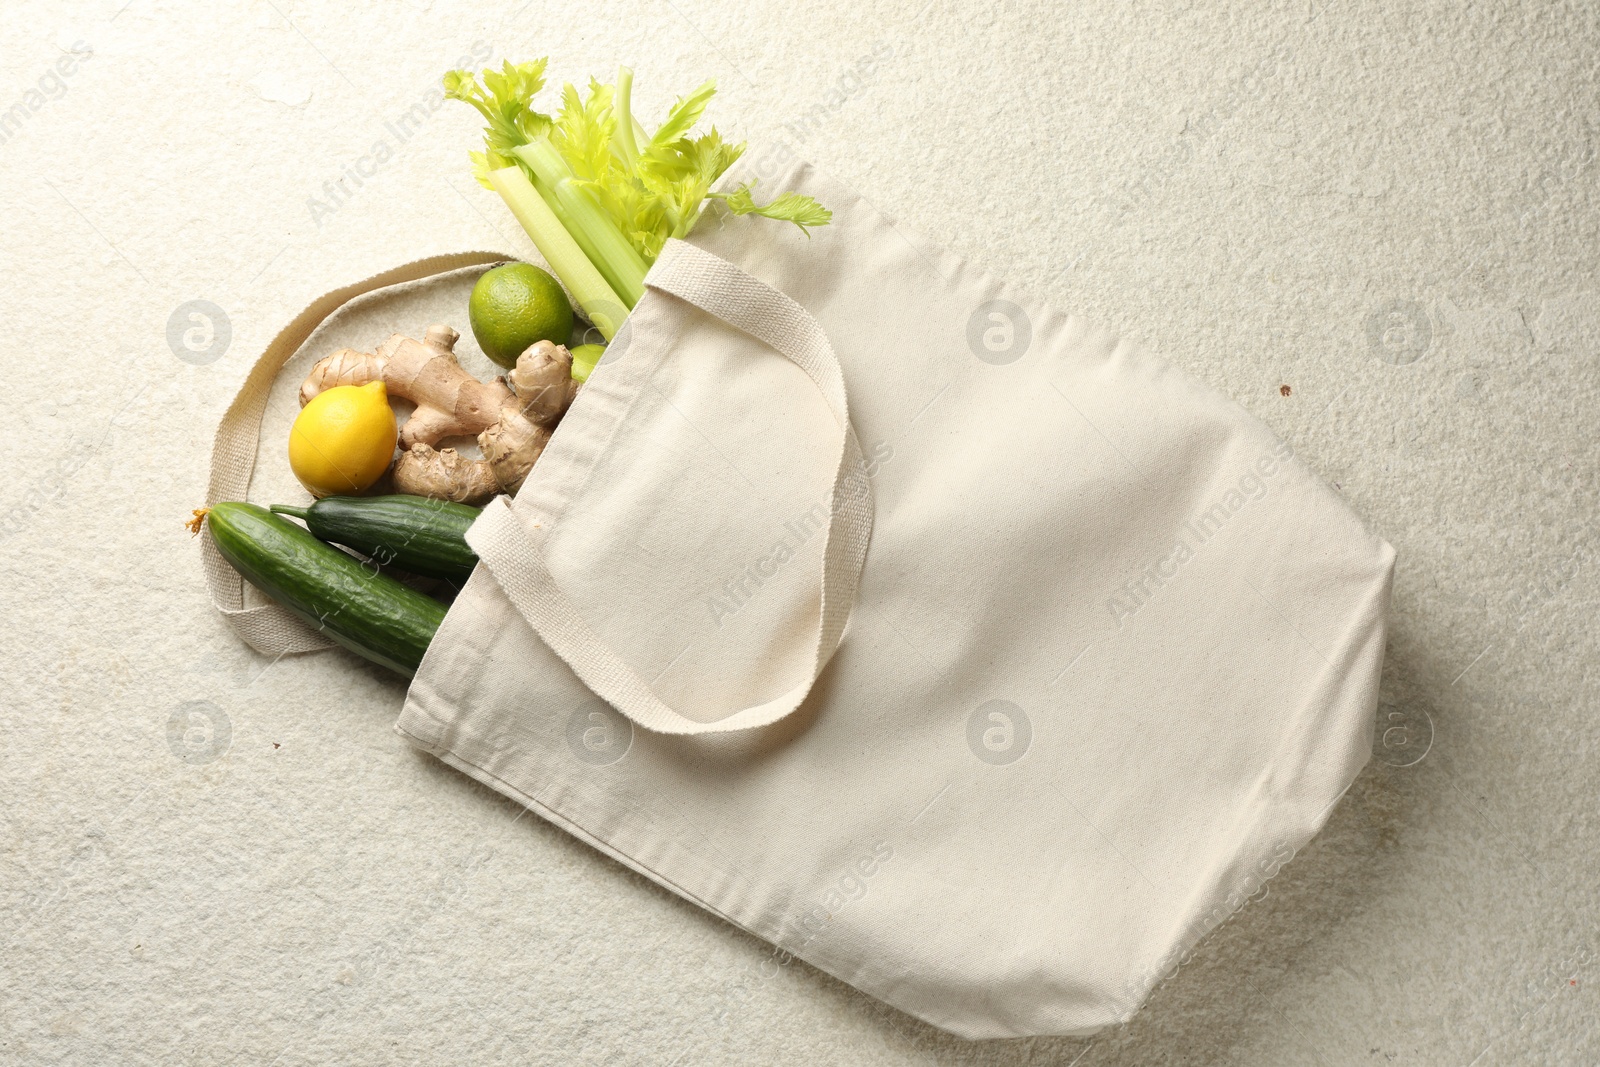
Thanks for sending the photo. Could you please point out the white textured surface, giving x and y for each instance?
(1242, 190)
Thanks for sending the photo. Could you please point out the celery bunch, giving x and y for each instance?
(598, 194)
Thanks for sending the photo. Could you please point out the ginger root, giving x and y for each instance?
(444, 474)
(450, 402)
(543, 387)
(511, 421)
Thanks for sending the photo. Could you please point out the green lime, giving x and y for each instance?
(515, 305)
(584, 358)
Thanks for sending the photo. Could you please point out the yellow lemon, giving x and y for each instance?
(343, 440)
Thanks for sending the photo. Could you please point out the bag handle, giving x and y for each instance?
(271, 628)
(512, 549)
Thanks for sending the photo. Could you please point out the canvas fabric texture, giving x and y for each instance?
(1112, 651)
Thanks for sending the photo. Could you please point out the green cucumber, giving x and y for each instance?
(414, 533)
(369, 613)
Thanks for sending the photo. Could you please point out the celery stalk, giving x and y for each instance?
(600, 195)
(622, 102)
(559, 208)
(597, 299)
(617, 260)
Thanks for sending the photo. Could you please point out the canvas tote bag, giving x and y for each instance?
(965, 651)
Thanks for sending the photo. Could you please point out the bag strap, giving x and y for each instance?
(512, 549)
(271, 628)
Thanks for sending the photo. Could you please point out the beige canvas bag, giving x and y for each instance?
(967, 652)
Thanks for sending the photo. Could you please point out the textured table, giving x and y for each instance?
(1373, 224)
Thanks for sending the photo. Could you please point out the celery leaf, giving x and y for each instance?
(801, 210)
